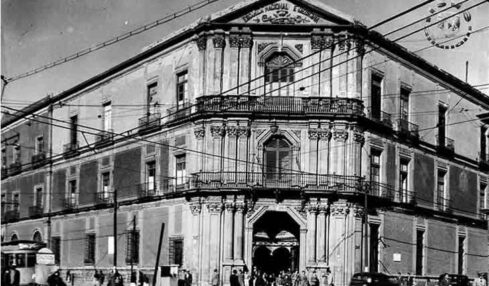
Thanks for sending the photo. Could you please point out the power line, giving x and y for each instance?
(114, 40)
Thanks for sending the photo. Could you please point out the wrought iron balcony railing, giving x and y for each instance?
(382, 117)
(35, 211)
(443, 204)
(445, 144)
(104, 138)
(14, 168)
(71, 150)
(38, 160)
(105, 197)
(407, 128)
(11, 215)
(290, 106)
(70, 203)
(4, 172)
(149, 123)
(180, 111)
(147, 190)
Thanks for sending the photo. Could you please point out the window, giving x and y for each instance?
(441, 191)
(375, 171)
(14, 237)
(17, 153)
(151, 176)
(374, 248)
(15, 202)
(37, 236)
(107, 117)
(176, 250)
(442, 111)
(375, 96)
(181, 169)
(38, 196)
(482, 197)
(90, 248)
(105, 188)
(72, 193)
(182, 89)
(404, 99)
(56, 248)
(278, 158)
(39, 144)
(461, 254)
(4, 157)
(279, 70)
(484, 145)
(132, 248)
(4, 201)
(403, 180)
(74, 130)
(419, 251)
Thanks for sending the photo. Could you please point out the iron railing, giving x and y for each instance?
(406, 127)
(146, 190)
(14, 168)
(180, 111)
(70, 203)
(38, 160)
(104, 138)
(35, 211)
(149, 123)
(443, 204)
(105, 197)
(71, 149)
(445, 143)
(271, 105)
(383, 118)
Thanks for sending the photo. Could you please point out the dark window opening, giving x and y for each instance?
(56, 248)
(442, 111)
(403, 180)
(482, 197)
(132, 248)
(181, 169)
(106, 185)
(484, 138)
(151, 92)
(37, 236)
(278, 158)
(419, 251)
(440, 190)
(182, 89)
(374, 248)
(4, 157)
(461, 254)
(74, 129)
(38, 197)
(176, 251)
(90, 248)
(376, 97)
(404, 103)
(40, 144)
(151, 176)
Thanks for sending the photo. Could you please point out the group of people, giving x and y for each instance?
(283, 278)
(184, 278)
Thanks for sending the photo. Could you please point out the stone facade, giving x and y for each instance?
(241, 139)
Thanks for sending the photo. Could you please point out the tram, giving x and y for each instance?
(21, 254)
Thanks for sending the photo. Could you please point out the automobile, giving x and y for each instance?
(458, 280)
(373, 279)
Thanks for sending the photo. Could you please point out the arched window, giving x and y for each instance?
(37, 236)
(279, 73)
(14, 237)
(278, 157)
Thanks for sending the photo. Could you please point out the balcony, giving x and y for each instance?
(443, 205)
(445, 145)
(35, 211)
(406, 128)
(104, 198)
(180, 111)
(383, 118)
(71, 150)
(147, 190)
(70, 203)
(4, 172)
(242, 105)
(11, 216)
(38, 160)
(149, 123)
(104, 139)
(14, 168)
(483, 161)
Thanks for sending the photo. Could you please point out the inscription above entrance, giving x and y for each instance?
(281, 13)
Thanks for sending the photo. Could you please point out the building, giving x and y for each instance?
(273, 134)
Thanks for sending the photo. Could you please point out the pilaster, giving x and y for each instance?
(311, 233)
(219, 43)
(238, 233)
(234, 64)
(217, 132)
(245, 44)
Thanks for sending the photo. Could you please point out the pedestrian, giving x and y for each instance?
(181, 277)
(143, 279)
(480, 281)
(233, 279)
(215, 278)
(241, 278)
(330, 277)
(10, 276)
(247, 278)
(101, 277)
(96, 278)
(55, 279)
(303, 281)
(314, 279)
(116, 279)
(444, 280)
(188, 278)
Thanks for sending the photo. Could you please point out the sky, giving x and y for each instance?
(38, 32)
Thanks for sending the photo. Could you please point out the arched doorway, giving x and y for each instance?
(276, 242)
(37, 236)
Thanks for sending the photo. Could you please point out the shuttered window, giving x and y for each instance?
(278, 157)
(132, 248)
(90, 248)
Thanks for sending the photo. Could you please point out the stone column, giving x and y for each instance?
(206, 247)
(336, 69)
(321, 233)
(202, 45)
(195, 208)
(238, 233)
(230, 151)
(219, 43)
(215, 209)
(337, 236)
(243, 133)
(311, 233)
(234, 67)
(245, 43)
(343, 65)
(217, 134)
(356, 152)
(360, 52)
(323, 150)
(199, 133)
(228, 231)
(313, 150)
(316, 44)
(326, 70)
(210, 70)
(340, 134)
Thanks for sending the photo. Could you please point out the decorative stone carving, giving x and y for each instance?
(323, 209)
(259, 132)
(358, 137)
(340, 135)
(262, 46)
(245, 41)
(240, 207)
(214, 207)
(312, 208)
(243, 131)
(199, 132)
(219, 41)
(341, 44)
(195, 208)
(234, 41)
(313, 134)
(324, 134)
(299, 47)
(218, 131)
(250, 206)
(202, 42)
(360, 46)
(357, 211)
(229, 206)
(321, 42)
(231, 131)
(339, 209)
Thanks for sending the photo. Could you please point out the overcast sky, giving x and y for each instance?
(37, 32)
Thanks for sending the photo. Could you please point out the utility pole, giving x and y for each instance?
(115, 228)
(51, 187)
(133, 245)
(158, 253)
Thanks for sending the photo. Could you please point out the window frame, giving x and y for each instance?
(180, 173)
(441, 195)
(376, 109)
(147, 176)
(404, 96)
(182, 95)
(90, 248)
(132, 248)
(107, 116)
(38, 148)
(404, 179)
(74, 129)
